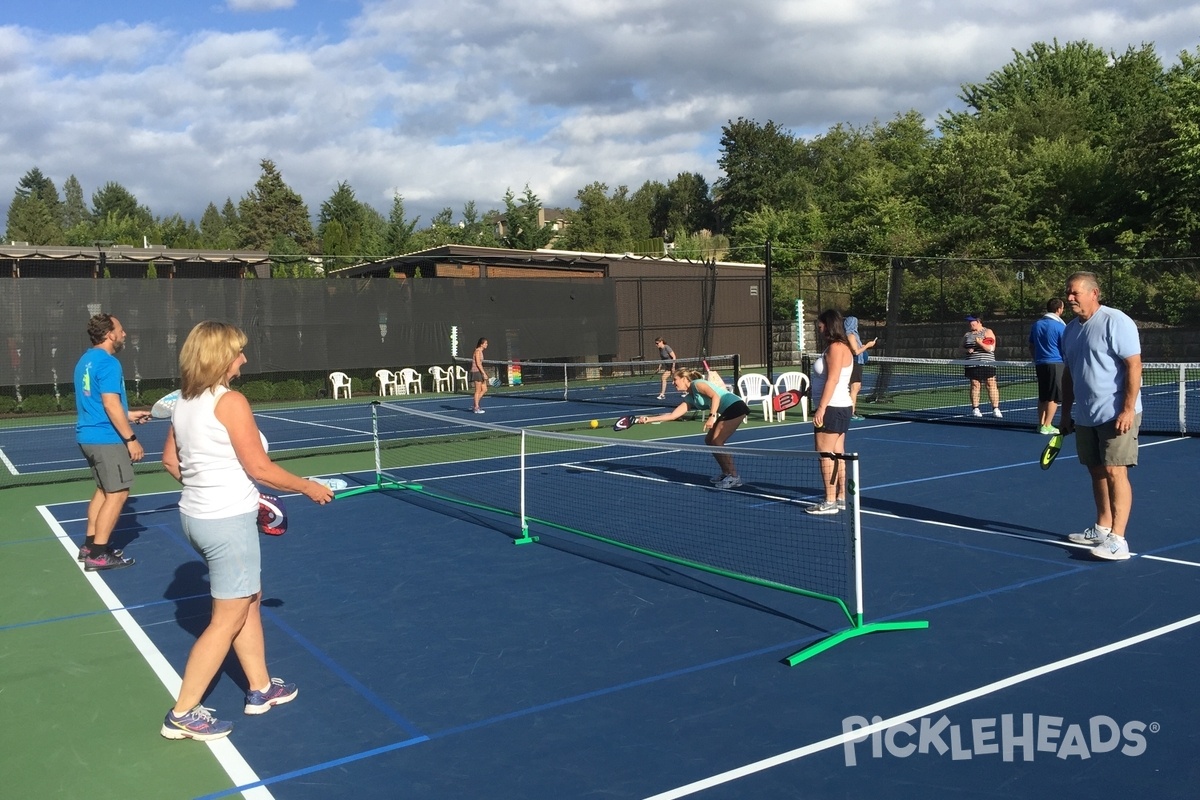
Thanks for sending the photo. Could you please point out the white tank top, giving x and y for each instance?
(215, 485)
(841, 388)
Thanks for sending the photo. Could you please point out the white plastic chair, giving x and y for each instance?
(755, 388)
(442, 379)
(341, 382)
(387, 382)
(463, 377)
(407, 380)
(797, 381)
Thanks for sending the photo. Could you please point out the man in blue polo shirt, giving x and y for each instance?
(104, 431)
(1045, 345)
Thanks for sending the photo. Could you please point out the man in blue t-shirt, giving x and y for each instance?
(1102, 404)
(1045, 345)
(104, 431)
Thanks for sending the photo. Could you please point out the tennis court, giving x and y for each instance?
(436, 658)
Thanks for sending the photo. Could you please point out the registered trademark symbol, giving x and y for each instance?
(1155, 727)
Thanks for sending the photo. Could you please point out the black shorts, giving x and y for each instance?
(837, 420)
(856, 373)
(1049, 379)
(738, 409)
(981, 373)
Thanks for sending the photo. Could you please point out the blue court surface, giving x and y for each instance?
(437, 659)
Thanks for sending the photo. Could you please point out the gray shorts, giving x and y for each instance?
(111, 467)
(1103, 446)
(230, 546)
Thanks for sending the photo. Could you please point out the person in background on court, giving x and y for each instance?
(215, 450)
(1045, 347)
(982, 369)
(478, 374)
(859, 349)
(1102, 405)
(725, 413)
(666, 363)
(104, 432)
(830, 380)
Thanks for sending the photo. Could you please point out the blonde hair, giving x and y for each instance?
(206, 355)
(690, 374)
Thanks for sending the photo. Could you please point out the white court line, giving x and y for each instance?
(235, 766)
(917, 713)
(8, 464)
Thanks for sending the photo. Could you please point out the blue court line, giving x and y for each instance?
(370, 696)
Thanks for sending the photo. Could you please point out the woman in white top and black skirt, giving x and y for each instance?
(831, 417)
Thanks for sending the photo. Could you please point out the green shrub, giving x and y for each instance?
(152, 396)
(7, 404)
(258, 391)
(39, 404)
(67, 402)
(291, 390)
(359, 386)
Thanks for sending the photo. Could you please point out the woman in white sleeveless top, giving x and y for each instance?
(214, 448)
(833, 408)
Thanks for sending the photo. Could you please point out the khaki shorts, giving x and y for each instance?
(1103, 446)
(111, 466)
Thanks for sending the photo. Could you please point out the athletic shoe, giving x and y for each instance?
(1092, 535)
(276, 694)
(476, 410)
(996, 413)
(85, 551)
(662, 397)
(856, 418)
(976, 412)
(198, 724)
(1047, 430)
(105, 560)
(824, 507)
(729, 482)
(841, 505)
(1113, 548)
(717, 478)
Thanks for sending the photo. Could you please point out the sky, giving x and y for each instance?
(462, 100)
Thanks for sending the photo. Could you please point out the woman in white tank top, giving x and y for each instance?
(833, 407)
(215, 450)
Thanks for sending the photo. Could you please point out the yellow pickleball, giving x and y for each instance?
(595, 423)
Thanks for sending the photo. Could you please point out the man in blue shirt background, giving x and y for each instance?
(104, 431)
(1045, 345)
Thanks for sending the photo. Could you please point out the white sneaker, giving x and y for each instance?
(823, 507)
(729, 482)
(996, 413)
(976, 412)
(477, 411)
(1113, 548)
(717, 478)
(1092, 535)
(662, 397)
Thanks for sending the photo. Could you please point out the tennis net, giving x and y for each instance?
(651, 498)
(613, 382)
(937, 390)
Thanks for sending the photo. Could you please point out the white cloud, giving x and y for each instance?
(461, 99)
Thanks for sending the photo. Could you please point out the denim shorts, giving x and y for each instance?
(230, 547)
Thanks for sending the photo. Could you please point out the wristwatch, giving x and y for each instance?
(132, 438)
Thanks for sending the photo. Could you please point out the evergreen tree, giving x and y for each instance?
(75, 210)
(522, 231)
(399, 234)
(272, 212)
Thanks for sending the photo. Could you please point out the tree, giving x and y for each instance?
(758, 162)
(35, 214)
(601, 224)
(113, 198)
(342, 207)
(398, 238)
(75, 210)
(272, 212)
(522, 229)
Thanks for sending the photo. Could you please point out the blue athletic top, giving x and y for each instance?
(1095, 352)
(1045, 339)
(851, 325)
(701, 402)
(97, 373)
